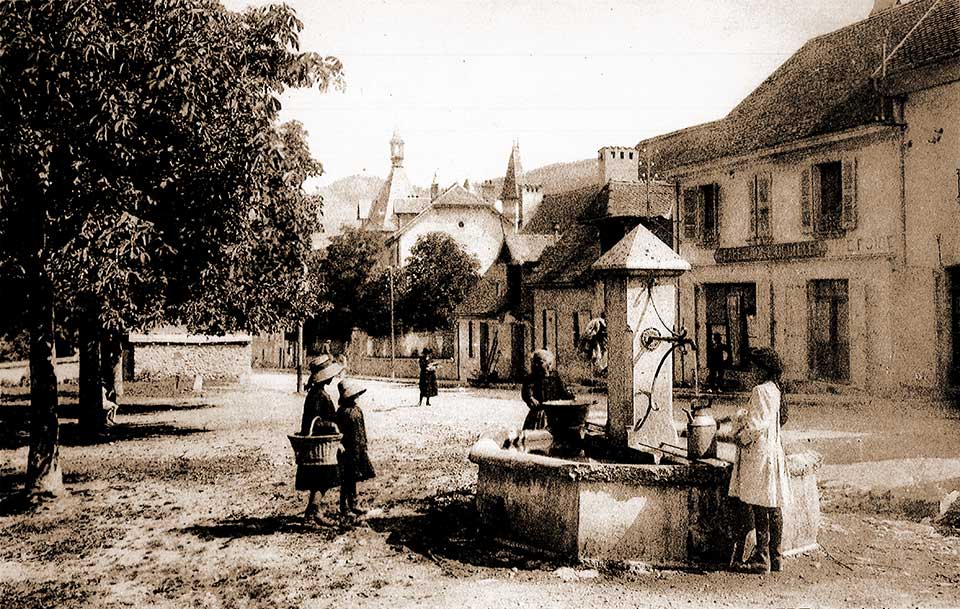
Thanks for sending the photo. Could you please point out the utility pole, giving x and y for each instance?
(646, 153)
(299, 357)
(393, 338)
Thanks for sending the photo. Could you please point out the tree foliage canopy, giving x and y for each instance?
(438, 276)
(143, 175)
(147, 131)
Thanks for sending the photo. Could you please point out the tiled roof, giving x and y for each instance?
(396, 188)
(569, 261)
(411, 205)
(618, 199)
(564, 208)
(458, 196)
(936, 38)
(825, 87)
(488, 298)
(526, 248)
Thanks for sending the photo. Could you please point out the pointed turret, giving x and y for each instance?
(512, 194)
(382, 214)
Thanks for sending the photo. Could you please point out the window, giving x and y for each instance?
(828, 198)
(470, 339)
(701, 214)
(549, 331)
(631, 156)
(759, 187)
(828, 347)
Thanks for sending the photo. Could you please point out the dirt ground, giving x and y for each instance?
(191, 504)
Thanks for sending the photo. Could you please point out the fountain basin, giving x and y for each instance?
(669, 514)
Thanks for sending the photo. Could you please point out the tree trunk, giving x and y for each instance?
(92, 416)
(44, 476)
(111, 363)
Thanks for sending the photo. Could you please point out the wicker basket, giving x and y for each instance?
(315, 450)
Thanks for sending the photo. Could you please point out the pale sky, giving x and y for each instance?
(461, 80)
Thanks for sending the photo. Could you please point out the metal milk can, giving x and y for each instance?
(701, 435)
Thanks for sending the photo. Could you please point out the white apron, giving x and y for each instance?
(760, 470)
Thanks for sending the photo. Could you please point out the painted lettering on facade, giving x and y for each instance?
(773, 251)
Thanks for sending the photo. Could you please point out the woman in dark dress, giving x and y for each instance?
(355, 465)
(428, 376)
(318, 406)
(543, 384)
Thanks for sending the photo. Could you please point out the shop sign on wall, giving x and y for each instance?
(773, 251)
(873, 245)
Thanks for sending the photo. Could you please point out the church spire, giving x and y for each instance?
(512, 195)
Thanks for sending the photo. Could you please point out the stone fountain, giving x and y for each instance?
(631, 496)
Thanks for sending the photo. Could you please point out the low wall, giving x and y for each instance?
(370, 356)
(659, 514)
(164, 357)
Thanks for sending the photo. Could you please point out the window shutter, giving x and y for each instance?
(764, 184)
(717, 214)
(701, 209)
(806, 203)
(848, 176)
(690, 213)
(752, 188)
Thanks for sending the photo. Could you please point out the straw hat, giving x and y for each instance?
(350, 390)
(318, 362)
(325, 371)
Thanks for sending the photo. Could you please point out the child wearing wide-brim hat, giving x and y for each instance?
(355, 465)
(319, 418)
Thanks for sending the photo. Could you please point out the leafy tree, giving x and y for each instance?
(143, 176)
(350, 272)
(436, 279)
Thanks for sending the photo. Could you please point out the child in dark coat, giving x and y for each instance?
(355, 465)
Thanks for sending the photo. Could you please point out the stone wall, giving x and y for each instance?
(370, 356)
(221, 361)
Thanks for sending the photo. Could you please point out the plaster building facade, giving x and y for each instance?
(822, 215)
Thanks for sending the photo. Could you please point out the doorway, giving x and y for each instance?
(828, 348)
(730, 309)
(953, 283)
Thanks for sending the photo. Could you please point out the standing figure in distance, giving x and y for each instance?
(355, 465)
(759, 477)
(543, 384)
(718, 356)
(318, 406)
(428, 376)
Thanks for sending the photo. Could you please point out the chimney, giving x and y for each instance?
(882, 5)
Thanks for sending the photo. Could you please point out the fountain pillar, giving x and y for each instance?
(640, 302)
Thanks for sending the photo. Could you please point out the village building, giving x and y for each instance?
(566, 294)
(821, 216)
(478, 222)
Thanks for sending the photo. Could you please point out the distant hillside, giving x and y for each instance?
(559, 177)
(340, 198)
